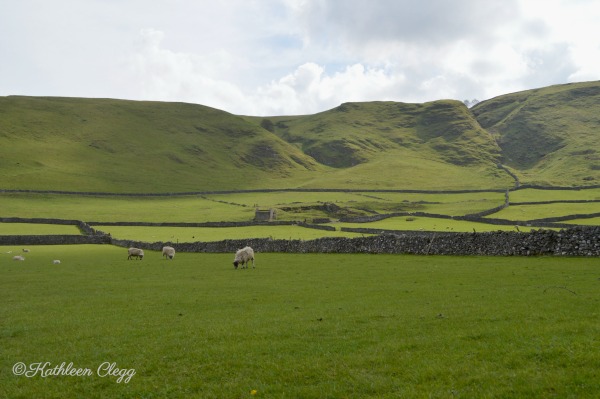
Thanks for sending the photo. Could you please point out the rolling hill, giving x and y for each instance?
(545, 136)
(548, 136)
(127, 146)
(396, 145)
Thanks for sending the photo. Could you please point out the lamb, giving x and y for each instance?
(56, 261)
(168, 252)
(244, 256)
(135, 252)
(18, 257)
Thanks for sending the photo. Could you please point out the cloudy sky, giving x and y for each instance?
(276, 57)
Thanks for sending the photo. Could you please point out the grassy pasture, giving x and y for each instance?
(114, 209)
(540, 211)
(588, 222)
(382, 202)
(536, 195)
(429, 224)
(300, 326)
(297, 206)
(234, 207)
(11, 229)
(209, 234)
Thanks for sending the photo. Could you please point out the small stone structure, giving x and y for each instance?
(263, 215)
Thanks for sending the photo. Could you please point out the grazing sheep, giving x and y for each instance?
(56, 261)
(135, 252)
(25, 250)
(168, 252)
(18, 257)
(244, 256)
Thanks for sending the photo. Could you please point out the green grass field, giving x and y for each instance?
(236, 207)
(299, 326)
(11, 229)
(114, 209)
(290, 206)
(209, 234)
(539, 211)
(536, 195)
(588, 222)
(405, 223)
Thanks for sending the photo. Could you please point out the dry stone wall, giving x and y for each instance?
(54, 239)
(576, 241)
(580, 241)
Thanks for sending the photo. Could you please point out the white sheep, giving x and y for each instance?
(135, 252)
(18, 257)
(56, 261)
(168, 252)
(244, 256)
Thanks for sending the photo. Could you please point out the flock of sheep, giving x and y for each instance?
(167, 252)
(242, 256)
(21, 258)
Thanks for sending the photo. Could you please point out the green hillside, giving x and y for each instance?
(396, 145)
(548, 136)
(128, 146)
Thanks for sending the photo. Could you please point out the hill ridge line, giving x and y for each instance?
(265, 190)
(324, 190)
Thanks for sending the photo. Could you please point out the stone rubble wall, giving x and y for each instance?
(579, 241)
(575, 241)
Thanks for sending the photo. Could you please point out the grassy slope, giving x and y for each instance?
(127, 146)
(396, 145)
(546, 136)
(549, 135)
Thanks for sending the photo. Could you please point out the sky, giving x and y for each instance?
(292, 57)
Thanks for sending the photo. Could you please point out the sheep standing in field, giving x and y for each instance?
(18, 257)
(56, 262)
(136, 253)
(168, 252)
(244, 256)
(25, 250)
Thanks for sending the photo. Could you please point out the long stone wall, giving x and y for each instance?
(54, 239)
(580, 241)
(299, 190)
(575, 241)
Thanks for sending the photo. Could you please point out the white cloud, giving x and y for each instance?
(310, 89)
(294, 56)
(166, 75)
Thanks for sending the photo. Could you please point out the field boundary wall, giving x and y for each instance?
(578, 241)
(299, 190)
